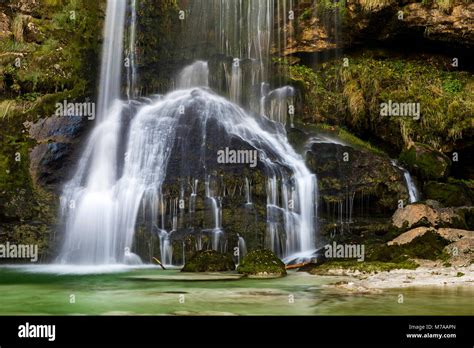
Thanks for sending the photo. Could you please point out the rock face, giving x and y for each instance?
(209, 261)
(460, 247)
(408, 236)
(422, 215)
(450, 194)
(427, 163)
(56, 138)
(262, 263)
(315, 29)
(5, 31)
(415, 215)
(443, 20)
(345, 172)
(453, 234)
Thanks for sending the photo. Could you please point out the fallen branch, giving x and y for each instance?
(159, 263)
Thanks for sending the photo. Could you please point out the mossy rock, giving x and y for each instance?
(449, 194)
(428, 246)
(209, 261)
(262, 263)
(426, 162)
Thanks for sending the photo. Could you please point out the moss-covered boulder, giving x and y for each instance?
(426, 162)
(209, 261)
(450, 194)
(262, 263)
(428, 246)
(347, 171)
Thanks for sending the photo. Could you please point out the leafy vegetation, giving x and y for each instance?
(351, 96)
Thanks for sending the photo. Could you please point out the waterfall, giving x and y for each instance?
(131, 59)
(248, 192)
(245, 31)
(124, 165)
(112, 53)
(90, 207)
(195, 75)
(411, 186)
(412, 190)
(242, 249)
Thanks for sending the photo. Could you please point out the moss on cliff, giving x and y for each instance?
(51, 56)
(352, 96)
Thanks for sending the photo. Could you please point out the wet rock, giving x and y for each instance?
(56, 148)
(426, 162)
(262, 263)
(209, 261)
(449, 194)
(344, 172)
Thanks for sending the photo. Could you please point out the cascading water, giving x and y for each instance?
(195, 75)
(89, 204)
(411, 186)
(117, 178)
(131, 63)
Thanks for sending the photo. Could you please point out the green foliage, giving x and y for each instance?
(307, 14)
(56, 63)
(452, 85)
(351, 96)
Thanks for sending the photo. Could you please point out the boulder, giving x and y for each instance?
(345, 171)
(449, 194)
(419, 214)
(454, 234)
(408, 236)
(414, 215)
(426, 162)
(262, 263)
(209, 261)
(56, 147)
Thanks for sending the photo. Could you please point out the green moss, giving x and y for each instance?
(449, 194)
(429, 246)
(209, 261)
(460, 274)
(344, 135)
(261, 262)
(57, 63)
(351, 96)
(426, 162)
(364, 267)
